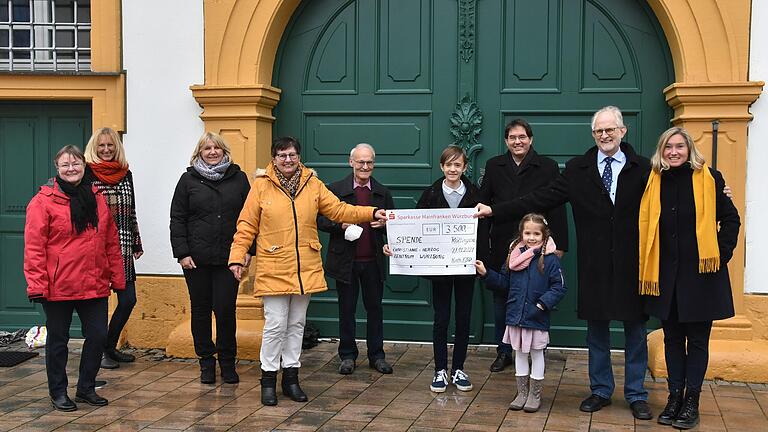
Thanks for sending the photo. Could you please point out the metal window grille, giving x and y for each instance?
(45, 35)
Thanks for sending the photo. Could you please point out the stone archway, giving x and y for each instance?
(709, 42)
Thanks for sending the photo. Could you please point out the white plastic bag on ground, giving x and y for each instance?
(36, 337)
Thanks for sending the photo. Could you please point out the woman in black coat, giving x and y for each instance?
(683, 264)
(204, 211)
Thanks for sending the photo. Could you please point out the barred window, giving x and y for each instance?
(45, 35)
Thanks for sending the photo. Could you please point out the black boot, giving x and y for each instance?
(689, 414)
(268, 385)
(228, 373)
(290, 384)
(674, 402)
(208, 370)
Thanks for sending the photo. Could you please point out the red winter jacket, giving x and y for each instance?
(60, 264)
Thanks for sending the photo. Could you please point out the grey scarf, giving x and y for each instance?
(212, 172)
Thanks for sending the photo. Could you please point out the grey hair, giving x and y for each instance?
(610, 109)
(362, 146)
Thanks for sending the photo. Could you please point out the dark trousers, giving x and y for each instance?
(686, 363)
(366, 278)
(461, 287)
(126, 300)
(58, 318)
(500, 321)
(213, 288)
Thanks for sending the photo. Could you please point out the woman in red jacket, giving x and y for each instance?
(71, 260)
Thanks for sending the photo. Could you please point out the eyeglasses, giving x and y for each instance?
(514, 138)
(608, 131)
(363, 163)
(285, 156)
(75, 165)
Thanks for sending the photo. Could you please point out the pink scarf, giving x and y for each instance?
(519, 259)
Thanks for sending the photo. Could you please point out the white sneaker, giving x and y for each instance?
(439, 381)
(461, 380)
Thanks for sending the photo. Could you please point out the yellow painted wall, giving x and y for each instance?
(162, 304)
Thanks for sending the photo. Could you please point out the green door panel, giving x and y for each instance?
(30, 136)
(392, 73)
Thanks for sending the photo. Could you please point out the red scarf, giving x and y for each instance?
(110, 172)
(519, 259)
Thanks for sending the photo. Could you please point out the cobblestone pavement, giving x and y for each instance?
(160, 394)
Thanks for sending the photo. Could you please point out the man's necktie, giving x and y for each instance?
(608, 173)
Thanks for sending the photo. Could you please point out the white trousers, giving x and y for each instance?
(284, 319)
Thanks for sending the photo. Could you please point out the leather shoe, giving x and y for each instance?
(641, 410)
(347, 366)
(108, 362)
(91, 399)
(382, 366)
(594, 403)
(503, 359)
(119, 356)
(63, 403)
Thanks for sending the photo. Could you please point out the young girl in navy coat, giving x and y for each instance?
(535, 284)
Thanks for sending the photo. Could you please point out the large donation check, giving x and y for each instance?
(429, 242)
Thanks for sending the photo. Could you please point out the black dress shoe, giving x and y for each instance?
(594, 403)
(108, 362)
(503, 360)
(347, 366)
(63, 403)
(91, 399)
(119, 356)
(641, 410)
(382, 366)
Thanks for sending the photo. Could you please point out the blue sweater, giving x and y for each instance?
(528, 287)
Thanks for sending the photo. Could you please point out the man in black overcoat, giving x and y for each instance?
(604, 187)
(515, 173)
(356, 261)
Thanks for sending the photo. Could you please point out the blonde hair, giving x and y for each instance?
(695, 158)
(216, 139)
(91, 149)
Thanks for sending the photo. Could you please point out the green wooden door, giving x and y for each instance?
(30, 135)
(412, 76)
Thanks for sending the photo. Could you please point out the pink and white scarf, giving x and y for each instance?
(520, 257)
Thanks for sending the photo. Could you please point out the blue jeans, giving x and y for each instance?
(635, 359)
(500, 321)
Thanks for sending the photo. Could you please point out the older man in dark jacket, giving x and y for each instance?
(513, 174)
(604, 187)
(355, 259)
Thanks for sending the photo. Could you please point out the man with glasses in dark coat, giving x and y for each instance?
(604, 187)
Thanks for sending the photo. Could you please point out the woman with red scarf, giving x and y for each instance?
(108, 171)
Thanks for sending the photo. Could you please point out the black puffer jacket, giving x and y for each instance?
(204, 215)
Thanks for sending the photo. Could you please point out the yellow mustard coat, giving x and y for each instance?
(287, 256)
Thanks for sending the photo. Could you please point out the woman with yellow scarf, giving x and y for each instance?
(688, 230)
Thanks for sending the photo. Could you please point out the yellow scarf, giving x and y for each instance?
(706, 228)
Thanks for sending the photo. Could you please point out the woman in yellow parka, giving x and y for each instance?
(281, 213)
